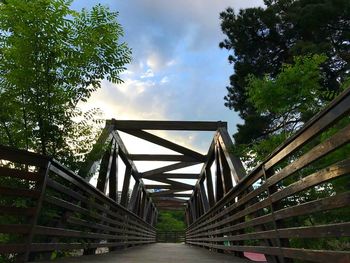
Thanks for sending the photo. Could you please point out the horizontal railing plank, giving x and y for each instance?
(20, 174)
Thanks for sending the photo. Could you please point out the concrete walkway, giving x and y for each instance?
(159, 252)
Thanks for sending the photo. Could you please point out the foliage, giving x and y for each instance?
(292, 97)
(51, 58)
(171, 221)
(296, 89)
(263, 39)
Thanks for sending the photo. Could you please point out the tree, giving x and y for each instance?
(52, 58)
(171, 221)
(263, 39)
(293, 96)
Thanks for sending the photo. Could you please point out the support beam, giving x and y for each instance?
(173, 195)
(113, 176)
(208, 163)
(158, 199)
(171, 208)
(168, 125)
(85, 170)
(143, 203)
(156, 218)
(124, 155)
(203, 196)
(161, 186)
(162, 157)
(170, 204)
(152, 215)
(225, 171)
(178, 185)
(234, 162)
(123, 152)
(136, 207)
(219, 183)
(158, 194)
(126, 184)
(134, 195)
(146, 208)
(167, 144)
(200, 210)
(192, 209)
(211, 197)
(105, 167)
(187, 216)
(167, 168)
(149, 211)
(189, 211)
(174, 176)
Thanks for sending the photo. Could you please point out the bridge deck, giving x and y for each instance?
(159, 252)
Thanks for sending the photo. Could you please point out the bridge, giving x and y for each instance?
(293, 207)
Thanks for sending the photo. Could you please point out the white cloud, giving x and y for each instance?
(171, 62)
(148, 74)
(164, 80)
(155, 61)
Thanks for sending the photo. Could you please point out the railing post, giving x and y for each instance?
(105, 167)
(126, 184)
(204, 197)
(218, 176)
(211, 197)
(225, 171)
(113, 176)
(44, 171)
(276, 224)
(134, 195)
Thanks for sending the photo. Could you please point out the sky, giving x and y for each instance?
(178, 71)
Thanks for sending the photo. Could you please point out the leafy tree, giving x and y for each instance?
(263, 39)
(293, 96)
(52, 58)
(171, 221)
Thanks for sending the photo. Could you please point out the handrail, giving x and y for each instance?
(97, 191)
(299, 179)
(46, 207)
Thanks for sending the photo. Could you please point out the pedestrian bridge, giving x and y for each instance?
(293, 207)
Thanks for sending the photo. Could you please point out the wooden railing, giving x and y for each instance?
(170, 236)
(293, 206)
(44, 207)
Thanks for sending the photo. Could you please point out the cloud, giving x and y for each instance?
(164, 25)
(155, 61)
(178, 72)
(148, 74)
(164, 80)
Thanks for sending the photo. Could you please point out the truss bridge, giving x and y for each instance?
(292, 207)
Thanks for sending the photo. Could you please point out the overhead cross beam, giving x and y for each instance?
(173, 176)
(162, 157)
(168, 193)
(165, 143)
(168, 125)
(167, 168)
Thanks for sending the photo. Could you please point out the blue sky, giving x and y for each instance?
(178, 71)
